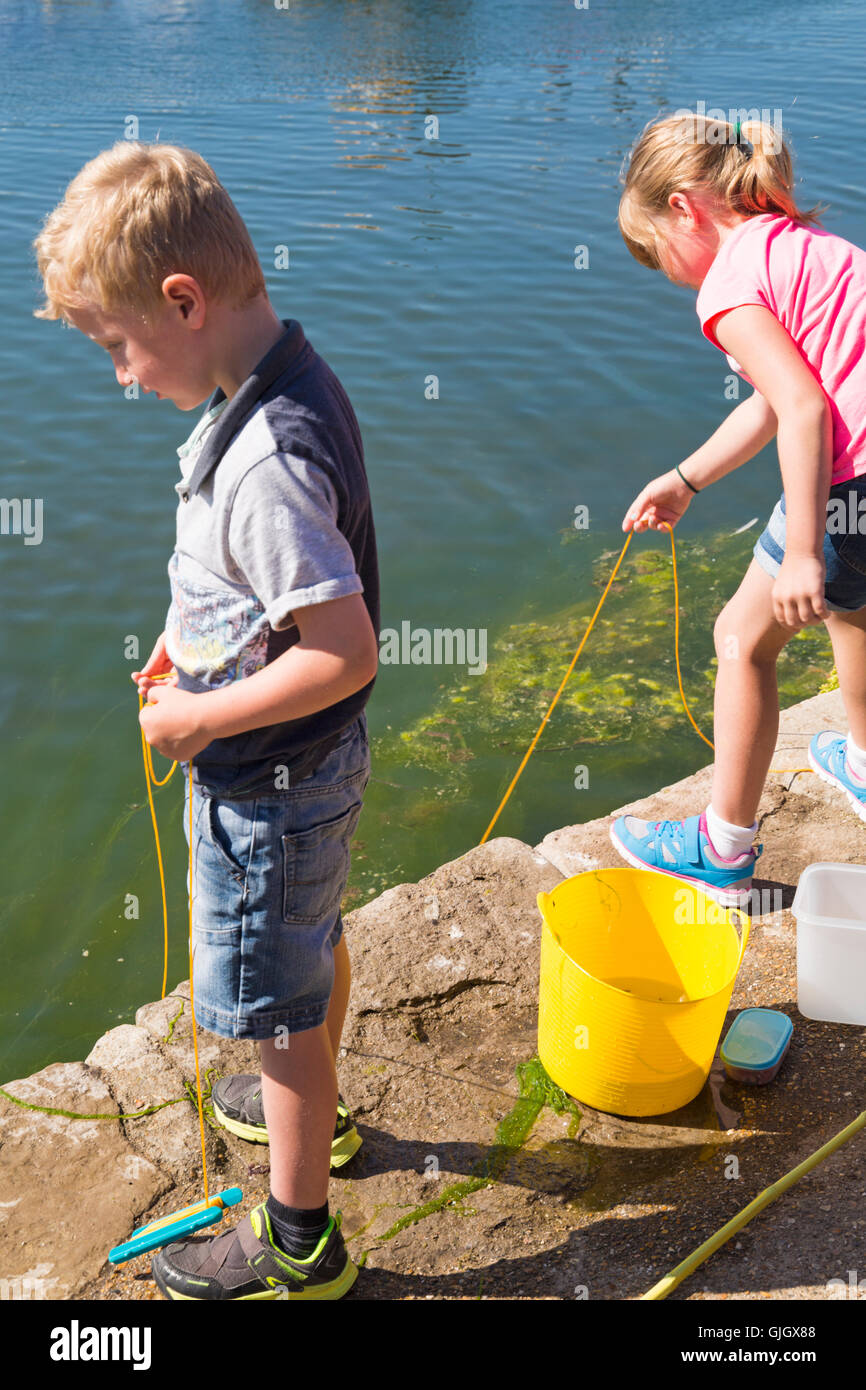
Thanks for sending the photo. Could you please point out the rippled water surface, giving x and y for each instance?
(410, 258)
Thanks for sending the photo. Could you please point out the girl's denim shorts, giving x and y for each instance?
(844, 545)
(268, 879)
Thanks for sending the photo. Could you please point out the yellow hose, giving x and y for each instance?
(697, 1257)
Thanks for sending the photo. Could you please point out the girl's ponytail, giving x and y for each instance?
(746, 168)
(763, 177)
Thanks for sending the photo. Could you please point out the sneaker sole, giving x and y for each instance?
(256, 1134)
(337, 1288)
(857, 806)
(342, 1149)
(725, 897)
(345, 1147)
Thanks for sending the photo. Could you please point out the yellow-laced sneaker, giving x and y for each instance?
(246, 1264)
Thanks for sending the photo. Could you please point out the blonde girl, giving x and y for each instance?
(711, 204)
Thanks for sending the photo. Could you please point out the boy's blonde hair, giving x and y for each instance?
(695, 154)
(133, 215)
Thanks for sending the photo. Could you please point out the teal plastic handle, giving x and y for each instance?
(185, 1223)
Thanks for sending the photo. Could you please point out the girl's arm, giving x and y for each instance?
(742, 434)
(766, 350)
(754, 336)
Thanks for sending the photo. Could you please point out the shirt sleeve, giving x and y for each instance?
(284, 538)
(737, 276)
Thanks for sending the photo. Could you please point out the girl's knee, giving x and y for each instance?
(737, 638)
(726, 635)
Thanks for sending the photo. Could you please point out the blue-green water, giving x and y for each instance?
(409, 258)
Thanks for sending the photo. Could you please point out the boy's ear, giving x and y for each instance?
(183, 292)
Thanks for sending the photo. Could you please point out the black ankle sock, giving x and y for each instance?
(296, 1230)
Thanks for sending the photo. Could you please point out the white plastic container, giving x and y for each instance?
(830, 908)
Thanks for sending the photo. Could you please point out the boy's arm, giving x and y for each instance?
(337, 654)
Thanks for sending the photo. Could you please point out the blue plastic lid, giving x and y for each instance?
(757, 1039)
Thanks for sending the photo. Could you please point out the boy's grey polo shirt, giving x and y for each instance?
(273, 514)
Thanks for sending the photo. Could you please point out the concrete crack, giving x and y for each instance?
(417, 1001)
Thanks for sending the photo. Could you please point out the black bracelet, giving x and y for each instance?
(686, 481)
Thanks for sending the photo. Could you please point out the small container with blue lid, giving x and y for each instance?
(755, 1045)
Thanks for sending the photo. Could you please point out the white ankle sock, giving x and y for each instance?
(856, 759)
(729, 840)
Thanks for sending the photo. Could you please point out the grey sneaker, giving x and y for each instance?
(237, 1105)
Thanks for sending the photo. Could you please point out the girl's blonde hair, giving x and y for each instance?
(695, 154)
(133, 215)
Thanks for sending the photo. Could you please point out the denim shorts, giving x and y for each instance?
(844, 545)
(268, 879)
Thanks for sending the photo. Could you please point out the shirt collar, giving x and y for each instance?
(289, 354)
(189, 451)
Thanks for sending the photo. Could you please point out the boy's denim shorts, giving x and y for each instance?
(844, 545)
(268, 879)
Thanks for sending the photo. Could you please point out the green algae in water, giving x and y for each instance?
(602, 702)
(437, 782)
(832, 683)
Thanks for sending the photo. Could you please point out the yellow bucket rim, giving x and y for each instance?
(627, 994)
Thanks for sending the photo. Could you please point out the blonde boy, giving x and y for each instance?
(271, 640)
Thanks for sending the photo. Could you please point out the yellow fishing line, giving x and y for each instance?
(531, 747)
(150, 777)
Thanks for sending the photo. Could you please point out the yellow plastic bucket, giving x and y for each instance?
(637, 972)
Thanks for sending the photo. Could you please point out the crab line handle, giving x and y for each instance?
(177, 1224)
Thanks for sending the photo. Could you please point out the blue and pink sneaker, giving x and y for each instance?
(683, 849)
(828, 755)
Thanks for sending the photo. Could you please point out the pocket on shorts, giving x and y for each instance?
(316, 867)
(846, 526)
(214, 815)
(851, 550)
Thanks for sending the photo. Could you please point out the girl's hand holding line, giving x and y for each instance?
(666, 498)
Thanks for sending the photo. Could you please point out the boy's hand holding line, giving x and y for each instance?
(337, 654)
(157, 665)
